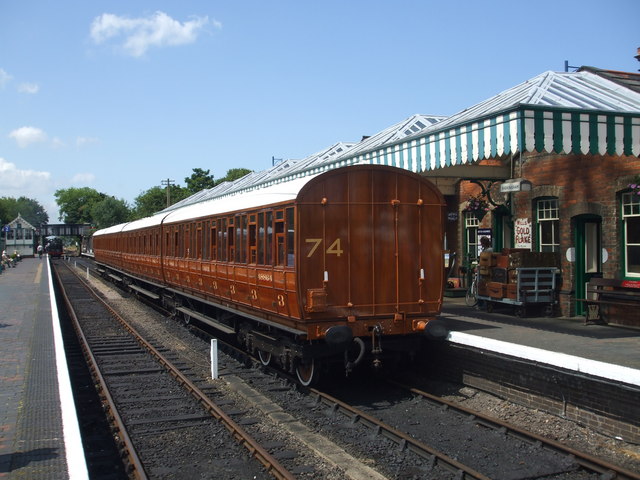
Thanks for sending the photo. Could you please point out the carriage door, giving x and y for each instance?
(588, 255)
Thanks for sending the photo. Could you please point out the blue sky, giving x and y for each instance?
(119, 96)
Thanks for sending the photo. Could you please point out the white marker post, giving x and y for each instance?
(214, 358)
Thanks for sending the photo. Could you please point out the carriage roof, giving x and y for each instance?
(274, 194)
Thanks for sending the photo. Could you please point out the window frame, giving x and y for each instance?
(629, 209)
(548, 217)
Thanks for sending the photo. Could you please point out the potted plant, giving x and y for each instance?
(478, 205)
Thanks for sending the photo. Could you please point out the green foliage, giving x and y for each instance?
(30, 209)
(234, 174)
(109, 212)
(75, 204)
(155, 199)
(199, 180)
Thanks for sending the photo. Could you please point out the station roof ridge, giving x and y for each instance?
(581, 90)
(336, 153)
(592, 91)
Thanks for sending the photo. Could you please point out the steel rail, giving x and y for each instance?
(585, 460)
(398, 437)
(271, 464)
(126, 445)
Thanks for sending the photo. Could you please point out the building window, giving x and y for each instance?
(471, 224)
(631, 233)
(548, 225)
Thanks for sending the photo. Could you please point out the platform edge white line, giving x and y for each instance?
(595, 368)
(76, 462)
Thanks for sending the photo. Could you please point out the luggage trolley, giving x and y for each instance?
(534, 286)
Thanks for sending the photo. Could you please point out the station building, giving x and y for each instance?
(19, 236)
(549, 165)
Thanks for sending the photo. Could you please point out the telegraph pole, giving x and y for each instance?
(168, 182)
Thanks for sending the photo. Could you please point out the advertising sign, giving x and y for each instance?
(523, 233)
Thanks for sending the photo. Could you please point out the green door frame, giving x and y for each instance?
(500, 215)
(581, 275)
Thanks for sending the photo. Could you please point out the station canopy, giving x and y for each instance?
(579, 113)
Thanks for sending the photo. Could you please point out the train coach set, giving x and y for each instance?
(342, 266)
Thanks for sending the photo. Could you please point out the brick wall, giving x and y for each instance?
(584, 185)
(606, 407)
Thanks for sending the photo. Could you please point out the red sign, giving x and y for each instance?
(631, 283)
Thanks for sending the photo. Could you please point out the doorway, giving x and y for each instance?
(588, 251)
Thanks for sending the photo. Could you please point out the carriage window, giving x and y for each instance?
(231, 241)
(280, 244)
(290, 238)
(176, 246)
(261, 238)
(243, 240)
(253, 240)
(205, 240)
(269, 247)
(199, 241)
(214, 241)
(193, 241)
(241, 237)
(222, 244)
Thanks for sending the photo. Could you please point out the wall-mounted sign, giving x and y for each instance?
(515, 185)
(452, 216)
(523, 233)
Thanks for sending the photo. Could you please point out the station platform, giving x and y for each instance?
(605, 351)
(39, 435)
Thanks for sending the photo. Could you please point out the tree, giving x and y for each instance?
(75, 204)
(109, 212)
(199, 180)
(155, 199)
(30, 209)
(234, 174)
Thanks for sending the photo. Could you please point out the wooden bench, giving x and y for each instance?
(609, 292)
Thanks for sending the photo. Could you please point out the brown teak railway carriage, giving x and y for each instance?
(343, 265)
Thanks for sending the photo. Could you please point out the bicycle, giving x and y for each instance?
(471, 297)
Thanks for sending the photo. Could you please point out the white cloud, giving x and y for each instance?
(85, 141)
(56, 143)
(14, 179)
(31, 88)
(137, 35)
(25, 136)
(83, 178)
(4, 78)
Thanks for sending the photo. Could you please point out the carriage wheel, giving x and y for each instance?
(307, 372)
(265, 357)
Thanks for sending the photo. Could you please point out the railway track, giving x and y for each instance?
(492, 447)
(386, 430)
(150, 426)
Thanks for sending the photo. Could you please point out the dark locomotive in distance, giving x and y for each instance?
(54, 247)
(342, 266)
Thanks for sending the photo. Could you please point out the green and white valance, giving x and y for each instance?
(525, 130)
